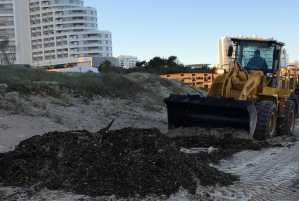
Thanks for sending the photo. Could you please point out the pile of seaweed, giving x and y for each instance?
(125, 163)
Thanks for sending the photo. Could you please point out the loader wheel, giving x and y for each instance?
(295, 99)
(286, 122)
(266, 120)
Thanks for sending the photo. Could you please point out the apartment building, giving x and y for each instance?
(57, 32)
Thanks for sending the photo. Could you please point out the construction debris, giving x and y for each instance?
(124, 163)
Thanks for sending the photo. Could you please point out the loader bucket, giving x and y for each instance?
(210, 112)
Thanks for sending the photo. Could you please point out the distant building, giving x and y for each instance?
(127, 62)
(295, 63)
(52, 32)
(196, 78)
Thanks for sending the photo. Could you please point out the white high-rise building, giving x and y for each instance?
(54, 32)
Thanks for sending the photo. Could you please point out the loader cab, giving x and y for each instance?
(263, 55)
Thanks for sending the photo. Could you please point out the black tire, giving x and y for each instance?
(295, 98)
(286, 121)
(266, 120)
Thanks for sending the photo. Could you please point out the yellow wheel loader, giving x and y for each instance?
(254, 91)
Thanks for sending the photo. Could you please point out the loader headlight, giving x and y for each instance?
(220, 71)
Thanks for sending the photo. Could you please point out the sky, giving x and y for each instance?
(190, 29)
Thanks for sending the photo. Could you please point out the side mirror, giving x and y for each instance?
(230, 51)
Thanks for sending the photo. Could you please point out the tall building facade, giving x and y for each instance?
(7, 32)
(57, 32)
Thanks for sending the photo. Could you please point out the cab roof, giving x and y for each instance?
(256, 39)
